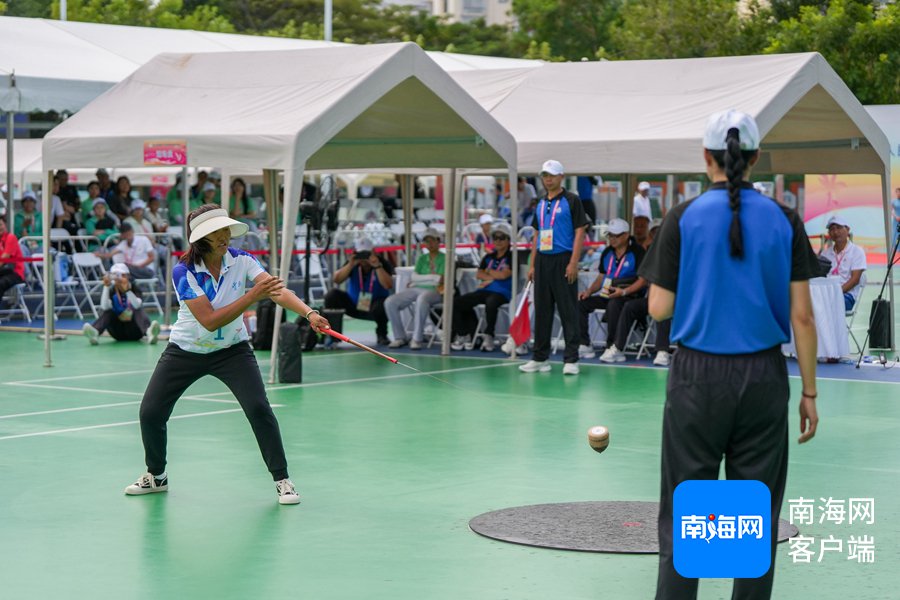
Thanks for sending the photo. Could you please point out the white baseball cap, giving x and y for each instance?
(485, 218)
(364, 245)
(118, 269)
(213, 220)
(718, 125)
(138, 203)
(209, 187)
(553, 167)
(431, 232)
(503, 228)
(617, 227)
(837, 220)
(643, 186)
(28, 195)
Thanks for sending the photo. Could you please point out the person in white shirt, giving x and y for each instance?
(137, 220)
(848, 261)
(122, 314)
(642, 201)
(209, 338)
(137, 253)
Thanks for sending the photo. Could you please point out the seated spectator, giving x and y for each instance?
(101, 225)
(848, 261)
(12, 269)
(370, 279)
(28, 221)
(640, 227)
(137, 220)
(106, 187)
(122, 314)
(137, 252)
(615, 282)
(242, 204)
(484, 236)
(495, 289)
(87, 207)
(427, 277)
(120, 200)
(154, 214)
(67, 193)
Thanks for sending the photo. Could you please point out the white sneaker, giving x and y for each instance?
(414, 345)
(462, 342)
(612, 355)
(662, 359)
(586, 352)
(398, 343)
(487, 343)
(522, 350)
(535, 366)
(286, 492)
(147, 484)
(571, 369)
(152, 332)
(91, 334)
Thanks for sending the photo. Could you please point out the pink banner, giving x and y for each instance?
(165, 153)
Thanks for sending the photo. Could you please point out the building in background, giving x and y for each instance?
(494, 12)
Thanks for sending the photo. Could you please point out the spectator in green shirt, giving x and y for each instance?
(423, 291)
(28, 222)
(101, 224)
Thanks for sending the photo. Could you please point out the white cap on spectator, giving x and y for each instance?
(837, 220)
(214, 174)
(485, 218)
(118, 269)
(553, 167)
(617, 227)
(718, 125)
(364, 245)
(138, 203)
(503, 228)
(644, 186)
(209, 186)
(431, 232)
(102, 201)
(29, 195)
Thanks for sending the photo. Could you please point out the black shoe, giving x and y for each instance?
(383, 340)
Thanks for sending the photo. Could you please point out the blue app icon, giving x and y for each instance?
(722, 528)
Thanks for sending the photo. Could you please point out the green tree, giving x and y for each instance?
(39, 9)
(573, 29)
(860, 42)
(145, 13)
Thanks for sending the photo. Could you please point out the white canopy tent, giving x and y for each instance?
(368, 107)
(635, 117)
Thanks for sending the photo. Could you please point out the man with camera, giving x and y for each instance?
(370, 279)
(122, 314)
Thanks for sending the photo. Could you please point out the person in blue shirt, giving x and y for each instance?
(560, 224)
(732, 266)
(618, 268)
(370, 280)
(209, 338)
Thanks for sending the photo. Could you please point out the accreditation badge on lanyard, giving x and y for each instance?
(607, 280)
(546, 235)
(364, 301)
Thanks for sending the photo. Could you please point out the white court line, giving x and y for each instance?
(62, 410)
(70, 377)
(55, 431)
(198, 398)
(363, 379)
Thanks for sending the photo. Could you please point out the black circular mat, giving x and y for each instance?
(619, 527)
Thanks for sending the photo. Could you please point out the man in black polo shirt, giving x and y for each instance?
(561, 223)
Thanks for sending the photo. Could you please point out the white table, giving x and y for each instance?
(831, 324)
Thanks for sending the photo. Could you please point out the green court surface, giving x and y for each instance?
(391, 465)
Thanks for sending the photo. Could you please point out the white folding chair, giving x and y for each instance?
(502, 314)
(851, 314)
(90, 272)
(17, 304)
(65, 290)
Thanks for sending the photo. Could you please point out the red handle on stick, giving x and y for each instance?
(344, 338)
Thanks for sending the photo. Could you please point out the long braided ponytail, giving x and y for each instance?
(735, 165)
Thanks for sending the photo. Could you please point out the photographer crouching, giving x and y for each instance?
(122, 314)
(370, 279)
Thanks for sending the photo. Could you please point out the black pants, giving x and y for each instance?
(722, 406)
(464, 318)
(552, 290)
(8, 280)
(236, 367)
(340, 299)
(585, 308)
(637, 310)
(123, 331)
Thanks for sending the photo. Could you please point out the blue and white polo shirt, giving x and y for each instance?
(191, 281)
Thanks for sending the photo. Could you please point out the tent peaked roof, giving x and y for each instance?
(383, 105)
(649, 116)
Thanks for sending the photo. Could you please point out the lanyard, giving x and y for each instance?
(621, 263)
(552, 216)
(371, 280)
(838, 258)
(496, 263)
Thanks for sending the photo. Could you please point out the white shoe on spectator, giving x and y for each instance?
(487, 343)
(612, 355)
(152, 332)
(535, 366)
(662, 359)
(571, 369)
(586, 352)
(462, 342)
(398, 343)
(414, 345)
(286, 492)
(522, 350)
(91, 334)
